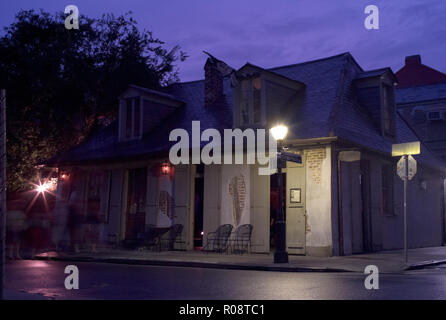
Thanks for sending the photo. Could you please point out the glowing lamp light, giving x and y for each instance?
(279, 132)
(202, 233)
(42, 188)
(165, 168)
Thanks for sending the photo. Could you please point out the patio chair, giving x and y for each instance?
(151, 237)
(218, 241)
(174, 237)
(241, 239)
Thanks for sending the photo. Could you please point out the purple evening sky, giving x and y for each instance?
(273, 33)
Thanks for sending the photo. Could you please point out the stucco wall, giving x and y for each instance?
(318, 201)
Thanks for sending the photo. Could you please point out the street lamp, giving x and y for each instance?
(279, 133)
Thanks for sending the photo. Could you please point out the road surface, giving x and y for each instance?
(45, 279)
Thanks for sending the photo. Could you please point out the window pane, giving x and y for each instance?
(387, 188)
(257, 102)
(128, 121)
(244, 102)
(137, 118)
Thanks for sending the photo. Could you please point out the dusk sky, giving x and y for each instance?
(274, 33)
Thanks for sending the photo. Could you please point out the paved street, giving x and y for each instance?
(114, 281)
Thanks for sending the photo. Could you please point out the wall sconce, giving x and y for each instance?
(64, 175)
(165, 168)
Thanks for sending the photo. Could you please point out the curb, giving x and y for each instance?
(424, 264)
(193, 264)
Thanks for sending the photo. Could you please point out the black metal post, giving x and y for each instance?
(281, 255)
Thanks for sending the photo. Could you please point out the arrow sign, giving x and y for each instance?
(412, 167)
(401, 167)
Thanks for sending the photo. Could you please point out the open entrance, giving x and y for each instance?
(274, 206)
(366, 206)
(198, 207)
(136, 203)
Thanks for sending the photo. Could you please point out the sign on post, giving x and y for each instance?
(411, 169)
(406, 169)
(403, 149)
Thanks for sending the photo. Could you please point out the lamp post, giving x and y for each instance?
(279, 133)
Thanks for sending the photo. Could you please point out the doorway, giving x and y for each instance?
(198, 207)
(295, 208)
(136, 203)
(366, 205)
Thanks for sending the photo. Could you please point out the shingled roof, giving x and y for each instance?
(421, 93)
(329, 109)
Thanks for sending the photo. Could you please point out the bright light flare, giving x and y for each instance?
(42, 188)
(279, 132)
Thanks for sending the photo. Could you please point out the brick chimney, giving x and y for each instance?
(214, 72)
(413, 60)
(213, 82)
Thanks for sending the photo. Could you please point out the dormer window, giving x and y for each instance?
(262, 97)
(250, 102)
(141, 110)
(130, 118)
(376, 93)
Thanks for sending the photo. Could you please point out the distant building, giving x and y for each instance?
(344, 198)
(421, 100)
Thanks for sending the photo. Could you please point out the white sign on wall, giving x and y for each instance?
(235, 202)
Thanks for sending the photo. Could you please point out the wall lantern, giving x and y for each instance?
(165, 168)
(279, 132)
(64, 175)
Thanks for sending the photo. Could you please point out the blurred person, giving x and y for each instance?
(60, 224)
(15, 227)
(75, 220)
(92, 230)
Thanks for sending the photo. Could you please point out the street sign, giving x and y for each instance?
(402, 149)
(401, 168)
(412, 170)
(292, 157)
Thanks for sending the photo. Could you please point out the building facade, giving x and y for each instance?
(344, 198)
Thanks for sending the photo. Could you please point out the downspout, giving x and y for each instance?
(340, 218)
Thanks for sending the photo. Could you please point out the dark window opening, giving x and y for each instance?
(198, 207)
(387, 189)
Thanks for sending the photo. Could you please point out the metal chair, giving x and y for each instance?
(242, 239)
(151, 238)
(218, 241)
(174, 237)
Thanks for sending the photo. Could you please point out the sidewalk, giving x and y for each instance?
(386, 261)
(22, 295)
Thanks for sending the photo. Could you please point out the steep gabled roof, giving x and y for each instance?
(329, 108)
(421, 94)
(414, 73)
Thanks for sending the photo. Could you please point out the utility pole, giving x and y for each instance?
(2, 189)
(406, 170)
(406, 177)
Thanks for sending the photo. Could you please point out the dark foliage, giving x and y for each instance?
(60, 82)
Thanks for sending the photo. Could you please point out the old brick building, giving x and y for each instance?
(342, 120)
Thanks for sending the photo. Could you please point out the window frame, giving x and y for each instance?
(387, 189)
(251, 100)
(136, 118)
